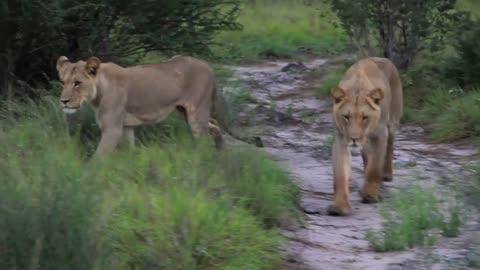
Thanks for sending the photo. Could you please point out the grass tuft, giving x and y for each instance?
(406, 226)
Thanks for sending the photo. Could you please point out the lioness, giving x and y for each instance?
(124, 98)
(368, 104)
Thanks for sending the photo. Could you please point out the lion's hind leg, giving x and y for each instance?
(216, 133)
(202, 125)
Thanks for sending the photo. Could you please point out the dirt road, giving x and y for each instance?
(297, 129)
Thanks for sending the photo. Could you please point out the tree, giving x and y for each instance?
(465, 66)
(36, 32)
(402, 27)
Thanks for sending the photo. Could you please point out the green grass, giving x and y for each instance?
(451, 115)
(280, 29)
(409, 115)
(169, 203)
(328, 142)
(406, 226)
(330, 81)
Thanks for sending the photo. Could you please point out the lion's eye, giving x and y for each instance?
(347, 117)
(77, 83)
(365, 118)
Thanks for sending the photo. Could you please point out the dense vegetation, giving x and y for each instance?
(177, 205)
(434, 45)
(36, 32)
(172, 204)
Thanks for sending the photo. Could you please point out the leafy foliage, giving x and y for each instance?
(36, 32)
(402, 28)
(465, 67)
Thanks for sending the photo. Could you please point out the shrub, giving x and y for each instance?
(465, 68)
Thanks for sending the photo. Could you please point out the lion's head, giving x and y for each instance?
(78, 81)
(356, 114)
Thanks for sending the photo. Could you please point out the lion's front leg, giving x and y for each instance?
(128, 136)
(341, 174)
(110, 139)
(388, 164)
(373, 173)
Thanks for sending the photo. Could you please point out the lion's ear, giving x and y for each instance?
(338, 94)
(376, 95)
(92, 65)
(61, 61)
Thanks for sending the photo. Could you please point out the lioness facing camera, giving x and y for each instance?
(368, 104)
(124, 98)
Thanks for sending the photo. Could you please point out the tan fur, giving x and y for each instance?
(368, 104)
(124, 98)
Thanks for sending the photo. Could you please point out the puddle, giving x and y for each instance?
(294, 126)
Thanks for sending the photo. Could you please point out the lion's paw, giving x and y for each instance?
(334, 210)
(387, 179)
(370, 198)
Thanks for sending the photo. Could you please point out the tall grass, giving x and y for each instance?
(280, 28)
(169, 204)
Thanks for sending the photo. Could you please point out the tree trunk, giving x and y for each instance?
(389, 34)
(8, 84)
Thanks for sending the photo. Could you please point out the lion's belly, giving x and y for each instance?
(136, 119)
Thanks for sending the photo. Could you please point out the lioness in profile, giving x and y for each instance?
(368, 104)
(124, 98)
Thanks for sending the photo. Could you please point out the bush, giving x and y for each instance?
(36, 32)
(151, 206)
(402, 27)
(465, 68)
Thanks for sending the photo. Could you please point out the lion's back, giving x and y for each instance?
(396, 89)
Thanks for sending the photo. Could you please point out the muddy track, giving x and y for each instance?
(295, 127)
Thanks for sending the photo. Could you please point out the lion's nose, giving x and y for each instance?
(64, 101)
(354, 140)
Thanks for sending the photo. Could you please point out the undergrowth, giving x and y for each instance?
(451, 114)
(168, 203)
(413, 217)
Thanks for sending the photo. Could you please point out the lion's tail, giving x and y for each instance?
(218, 117)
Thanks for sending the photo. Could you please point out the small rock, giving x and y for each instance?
(298, 66)
(311, 208)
